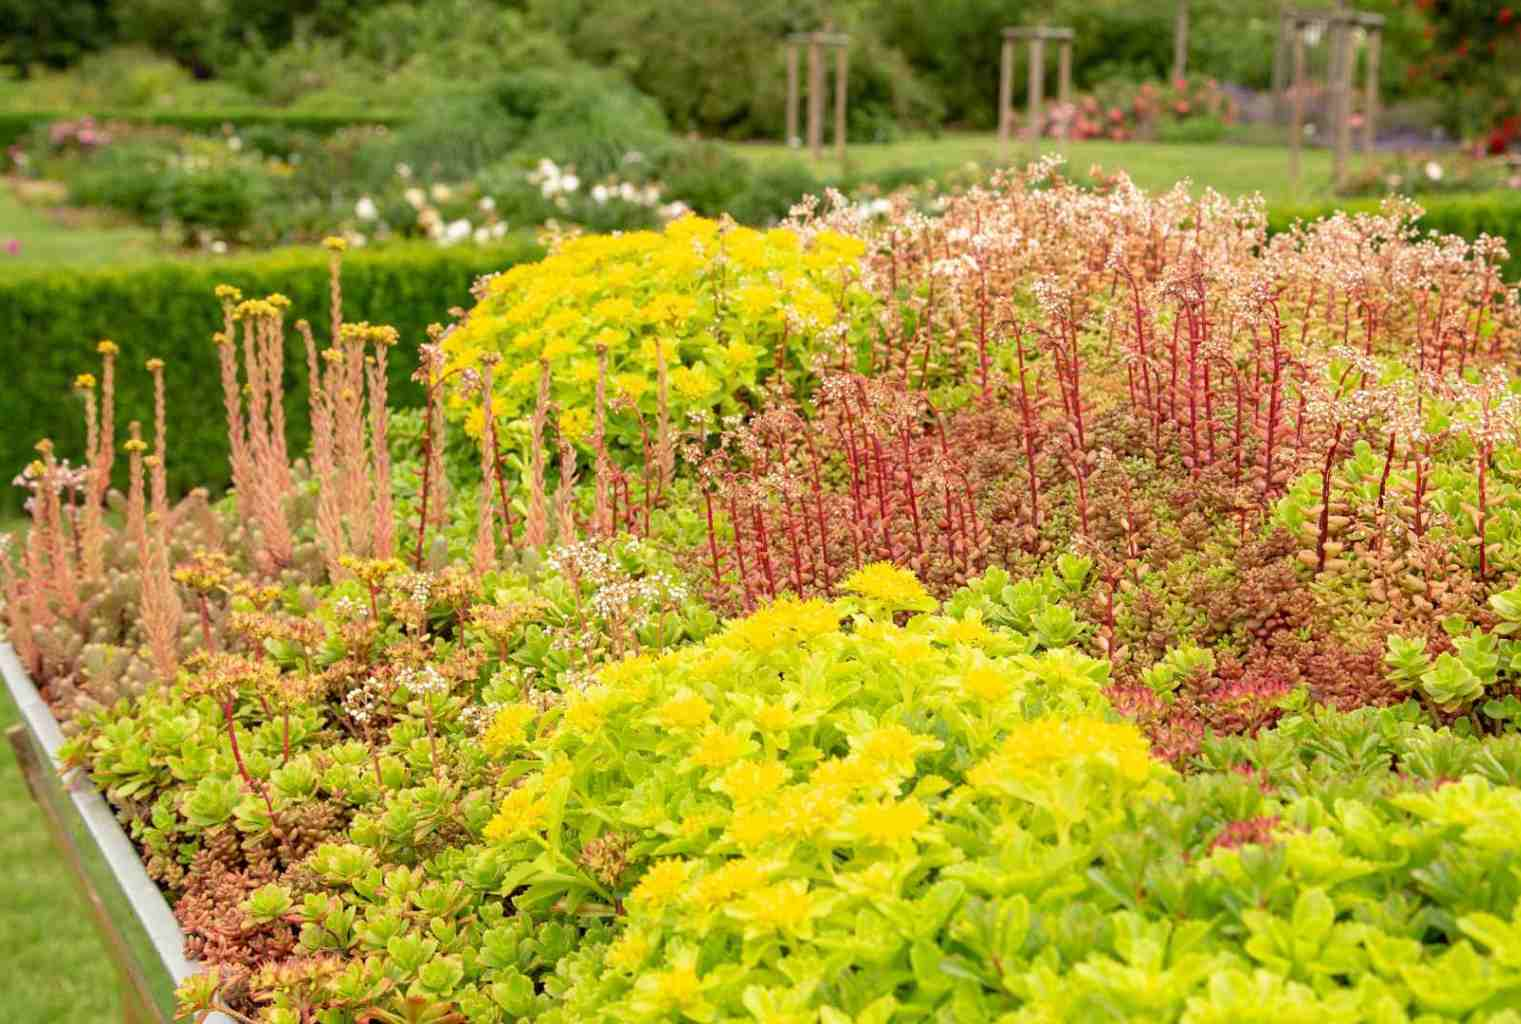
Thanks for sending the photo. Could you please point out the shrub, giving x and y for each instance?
(167, 310)
(571, 116)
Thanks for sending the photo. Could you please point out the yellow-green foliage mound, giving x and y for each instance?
(803, 792)
(720, 300)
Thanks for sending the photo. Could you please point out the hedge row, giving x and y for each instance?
(50, 320)
(1489, 213)
(15, 124)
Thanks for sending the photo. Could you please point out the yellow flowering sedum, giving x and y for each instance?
(508, 729)
(718, 300)
(521, 811)
(803, 781)
(662, 884)
(891, 586)
(1046, 746)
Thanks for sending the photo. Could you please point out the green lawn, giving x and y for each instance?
(55, 970)
(46, 239)
(1234, 169)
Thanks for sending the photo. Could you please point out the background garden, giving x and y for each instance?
(153, 148)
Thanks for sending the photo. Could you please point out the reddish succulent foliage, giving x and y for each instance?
(1258, 831)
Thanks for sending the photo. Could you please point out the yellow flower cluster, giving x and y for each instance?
(892, 586)
(784, 623)
(522, 810)
(1046, 746)
(794, 775)
(714, 300)
(508, 729)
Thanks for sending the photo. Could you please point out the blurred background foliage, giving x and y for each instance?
(714, 68)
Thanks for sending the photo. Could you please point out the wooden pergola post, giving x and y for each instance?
(1037, 37)
(792, 95)
(1343, 28)
(1005, 90)
(1037, 89)
(1180, 42)
(815, 100)
(1064, 71)
(841, 88)
(1296, 95)
(817, 42)
(1373, 26)
(1343, 62)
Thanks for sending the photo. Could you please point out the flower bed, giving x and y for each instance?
(1076, 605)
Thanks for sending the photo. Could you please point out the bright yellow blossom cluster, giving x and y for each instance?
(796, 775)
(717, 301)
(891, 586)
(1045, 746)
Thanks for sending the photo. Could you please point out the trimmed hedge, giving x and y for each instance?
(1490, 213)
(15, 124)
(50, 320)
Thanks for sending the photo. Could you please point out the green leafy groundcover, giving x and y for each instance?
(868, 809)
(52, 318)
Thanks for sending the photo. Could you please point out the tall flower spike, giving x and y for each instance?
(383, 531)
(565, 509)
(536, 525)
(665, 444)
(485, 530)
(63, 582)
(107, 453)
(159, 487)
(92, 537)
(602, 516)
(347, 383)
(335, 247)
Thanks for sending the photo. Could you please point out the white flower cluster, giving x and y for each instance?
(364, 701)
(424, 681)
(554, 182)
(558, 184)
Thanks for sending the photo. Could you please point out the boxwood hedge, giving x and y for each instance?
(50, 320)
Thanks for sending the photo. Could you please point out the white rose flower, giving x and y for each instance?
(1434, 170)
(366, 209)
(482, 235)
(403, 171)
(599, 194)
(441, 193)
(570, 182)
(487, 204)
(415, 197)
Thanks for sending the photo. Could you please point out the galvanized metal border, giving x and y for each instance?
(148, 938)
